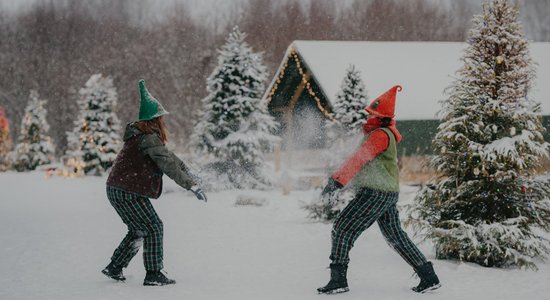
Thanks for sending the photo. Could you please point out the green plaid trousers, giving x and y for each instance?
(144, 227)
(368, 206)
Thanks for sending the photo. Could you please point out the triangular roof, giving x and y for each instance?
(424, 69)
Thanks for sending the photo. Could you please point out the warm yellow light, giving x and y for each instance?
(294, 55)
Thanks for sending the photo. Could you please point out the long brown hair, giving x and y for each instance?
(155, 125)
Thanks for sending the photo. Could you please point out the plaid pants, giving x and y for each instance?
(144, 227)
(368, 206)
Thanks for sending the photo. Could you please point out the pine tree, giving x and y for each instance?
(235, 128)
(485, 207)
(95, 141)
(5, 141)
(351, 100)
(34, 146)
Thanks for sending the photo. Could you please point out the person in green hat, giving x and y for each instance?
(135, 177)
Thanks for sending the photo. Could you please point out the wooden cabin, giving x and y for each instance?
(305, 85)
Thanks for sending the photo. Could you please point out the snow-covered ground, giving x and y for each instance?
(57, 234)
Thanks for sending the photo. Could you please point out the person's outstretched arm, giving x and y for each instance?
(166, 160)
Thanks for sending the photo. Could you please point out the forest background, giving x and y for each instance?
(54, 46)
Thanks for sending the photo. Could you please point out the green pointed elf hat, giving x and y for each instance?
(149, 107)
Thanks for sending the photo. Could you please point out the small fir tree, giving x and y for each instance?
(34, 146)
(485, 207)
(351, 100)
(94, 142)
(5, 141)
(235, 129)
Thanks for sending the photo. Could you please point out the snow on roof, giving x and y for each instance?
(424, 69)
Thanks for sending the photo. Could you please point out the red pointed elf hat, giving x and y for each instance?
(384, 105)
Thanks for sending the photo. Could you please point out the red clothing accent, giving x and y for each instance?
(375, 123)
(376, 143)
(4, 124)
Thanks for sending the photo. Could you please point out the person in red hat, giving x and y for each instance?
(373, 173)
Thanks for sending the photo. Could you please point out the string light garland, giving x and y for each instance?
(294, 55)
(279, 78)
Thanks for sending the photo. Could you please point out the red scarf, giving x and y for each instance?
(376, 123)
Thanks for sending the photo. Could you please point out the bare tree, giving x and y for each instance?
(54, 47)
(322, 18)
(536, 19)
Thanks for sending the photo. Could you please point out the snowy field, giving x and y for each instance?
(57, 234)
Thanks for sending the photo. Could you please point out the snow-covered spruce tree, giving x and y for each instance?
(351, 100)
(5, 141)
(349, 112)
(95, 140)
(34, 146)
(235, 129)
(485, 207)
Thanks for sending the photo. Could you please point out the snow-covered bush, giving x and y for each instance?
(249, 200)
(34, 146)
(235, 128)
(327, 207)
(485, 206)
(94, 142)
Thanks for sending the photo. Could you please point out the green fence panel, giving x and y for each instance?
(418, 135)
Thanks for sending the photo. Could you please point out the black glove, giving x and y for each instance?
(198, 193)
(331, 186)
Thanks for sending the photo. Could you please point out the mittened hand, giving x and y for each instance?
(331, 187)
(198, 193)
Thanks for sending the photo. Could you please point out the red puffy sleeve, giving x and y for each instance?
(376, 143)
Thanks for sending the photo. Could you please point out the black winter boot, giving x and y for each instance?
(157, 278)
(338, 282)
(428, 279)
(113, 271)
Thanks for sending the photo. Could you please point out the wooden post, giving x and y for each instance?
(277, 157)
